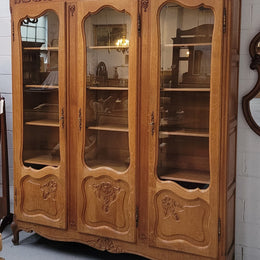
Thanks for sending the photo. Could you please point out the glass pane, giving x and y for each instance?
(186, 39)
(107, 38)
(40, 91)
(254, 106)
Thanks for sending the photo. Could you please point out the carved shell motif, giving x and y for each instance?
(106, 193)
(49, 190)
(171, 208)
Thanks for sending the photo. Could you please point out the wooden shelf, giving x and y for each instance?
(41, 48)
(107, 47)
(184, 132)
(193, 176)
(185, 89)
(118, 166)
(112, 128)
(42, 86)
(46, 159)
(107, 88)
(188, 44)
(44, 122)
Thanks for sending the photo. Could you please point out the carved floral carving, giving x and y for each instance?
(28, 1)
(72, 9)
(105, 244)
(106, 193)
(145, 4)
(49, 190)
(171, 208)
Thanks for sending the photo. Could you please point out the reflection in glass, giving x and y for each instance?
(186, 39)
(40, 90)
(258, 48)
(254, 105)
(107, 39)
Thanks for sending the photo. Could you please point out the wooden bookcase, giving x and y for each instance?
(125, 124)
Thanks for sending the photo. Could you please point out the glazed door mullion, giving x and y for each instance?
(184, 143)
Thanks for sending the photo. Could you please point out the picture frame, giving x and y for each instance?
(108, 34)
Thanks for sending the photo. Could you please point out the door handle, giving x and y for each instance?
(62, 118)
(152, 123)
(80, 120)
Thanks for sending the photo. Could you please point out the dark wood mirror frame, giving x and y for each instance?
(254, 50)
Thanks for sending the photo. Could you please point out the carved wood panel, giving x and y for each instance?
(105, 203)
(178, 219)
(41, 197)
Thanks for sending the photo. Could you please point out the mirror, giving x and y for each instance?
(251, 102)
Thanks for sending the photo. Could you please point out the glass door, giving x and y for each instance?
(107, 165)
(183, 205)
(39, 114)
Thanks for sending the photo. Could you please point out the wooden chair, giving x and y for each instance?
(191, 38)
(5, 216)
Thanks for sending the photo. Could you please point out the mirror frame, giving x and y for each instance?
(255, 65)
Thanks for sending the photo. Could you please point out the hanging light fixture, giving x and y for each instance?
(122, 44)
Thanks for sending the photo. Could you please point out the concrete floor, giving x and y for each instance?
(34, 247)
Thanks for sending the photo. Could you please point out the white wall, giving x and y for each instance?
(5, 74)
(248, 153)
(248, 149)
